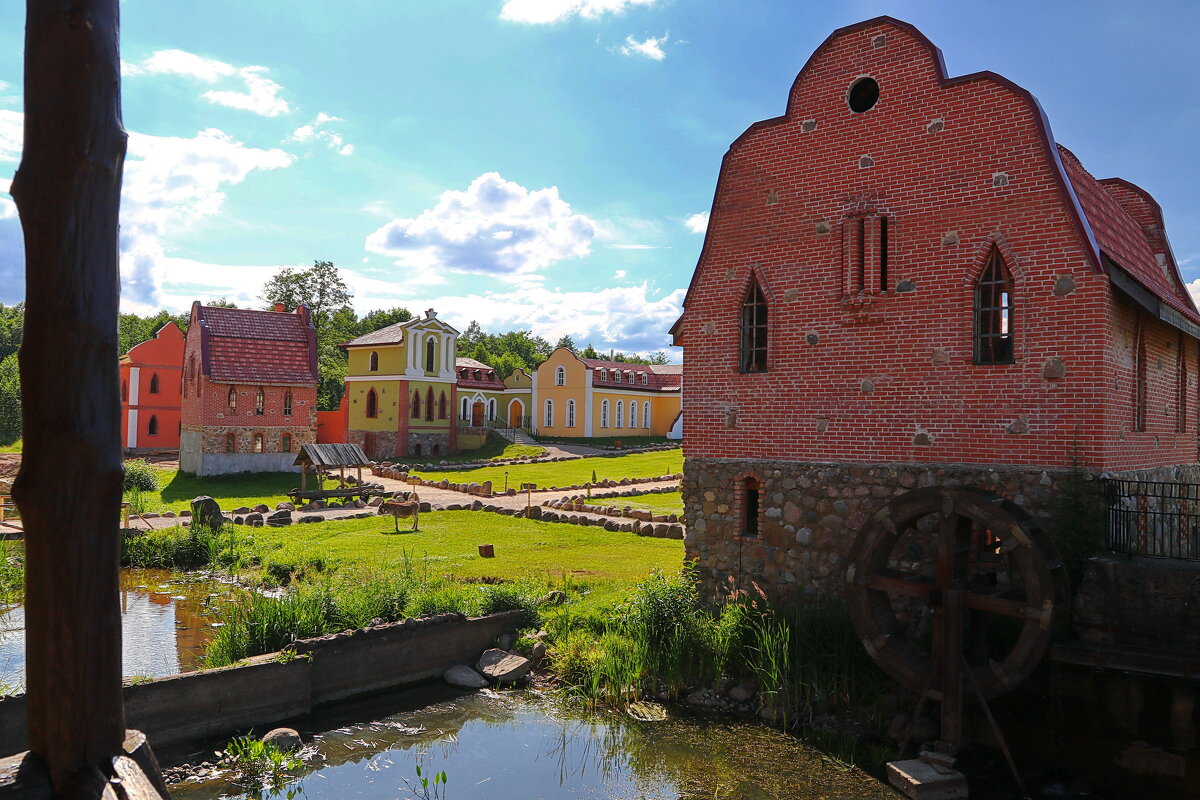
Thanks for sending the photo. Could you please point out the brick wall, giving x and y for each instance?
(867, 367)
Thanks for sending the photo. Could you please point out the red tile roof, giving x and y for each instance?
(467, 379)
(1136, 245)
(662, 377)
(243, 345)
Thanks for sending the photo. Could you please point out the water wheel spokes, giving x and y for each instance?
(942, 580)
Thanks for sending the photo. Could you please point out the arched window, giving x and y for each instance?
(372, 406)
(287, 403)
(373, 362)
(442, 406)
(633, 415)
(260, 402)
(620, 421)
(466, 409)
(230, 443)
(646, 414)
(549, 413)
(258, 442)
(231, 398)
(285, 443)
(993, 313)
(154, 383)
(1139, 381)
(416, 404)
(750, 490)
(152, 426)
(570, 413)
(604, 414)
(124, 391)
(492, 410)
(430, 355)
(752, 352)
(560, 376)
(429, 404)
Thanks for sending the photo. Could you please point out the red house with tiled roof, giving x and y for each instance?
(249, 390)
(906, 281)
(151, 378)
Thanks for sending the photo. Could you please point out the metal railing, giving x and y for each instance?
(1160, 519)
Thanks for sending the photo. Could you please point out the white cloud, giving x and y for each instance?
(619, 275)
(650, 47)
(3, 86)
(257, 93)
(495, 227)
(313, 132)
(1193, 287)
(171, 182)
(12, 134)
(545, 11)
(697, 223)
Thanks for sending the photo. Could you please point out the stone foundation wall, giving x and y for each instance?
(378, 445)
(433, 445)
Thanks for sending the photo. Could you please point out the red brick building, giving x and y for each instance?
(907, 282)
(249, 390)
(151, 380)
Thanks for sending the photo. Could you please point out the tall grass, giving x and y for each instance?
(261, 624)
(179, 549)
(12, 573)
(805, 657)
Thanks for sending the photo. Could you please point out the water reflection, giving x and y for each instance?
(166, 622)
(523, 746)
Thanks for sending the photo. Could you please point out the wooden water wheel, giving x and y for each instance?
(957, 594)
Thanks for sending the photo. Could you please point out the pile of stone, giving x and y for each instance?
(660, 530)
(496, 667)
(577, 503)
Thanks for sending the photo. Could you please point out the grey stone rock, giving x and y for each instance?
(206, 512)
(464, 677)
(286, 739)
(538, 654)
(743, 692)
(309, 519)
(502, 667)
(279, 519)
(261, 509)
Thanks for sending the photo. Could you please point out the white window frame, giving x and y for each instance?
(492, 410)
(633, 413)
(560, 376)
(645, 379)
(646, 415)
(604, 414)
(549, 416)
(620, 418)
(570, 413)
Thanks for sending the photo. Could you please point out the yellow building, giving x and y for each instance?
(401, 389)
(587, 397)
(484, 400)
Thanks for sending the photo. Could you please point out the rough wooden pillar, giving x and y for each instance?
(67, 191)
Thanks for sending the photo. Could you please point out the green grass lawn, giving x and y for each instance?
(605, 564)
(567, 473)
(495, 448)
(607, 441)
(666, 503)
(15, 447)
(230, 491)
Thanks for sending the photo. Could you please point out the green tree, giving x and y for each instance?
(659, 358)
(12, 327)
(589, 352)
(379, 319)
(10, 400)
(566, 342)
(321, 288)
(221, 302)
(506, 365)
(470, 338)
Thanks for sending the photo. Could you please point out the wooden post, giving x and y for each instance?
(67, 190)
(303, 477)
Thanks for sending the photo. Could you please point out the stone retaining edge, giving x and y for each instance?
(264, 690)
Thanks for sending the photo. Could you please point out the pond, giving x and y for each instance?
(523, 745)
(167, 620)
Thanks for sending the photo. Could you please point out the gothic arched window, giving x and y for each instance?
(752, 354)
(993, 313)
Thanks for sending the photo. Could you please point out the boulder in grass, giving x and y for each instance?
(279, 519)
(207, 513)
(261, 508)
(285, 506)
(503, 667)
(464, 677)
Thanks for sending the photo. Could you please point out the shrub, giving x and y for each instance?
(509, 597)
(178, 549)
(140, 475)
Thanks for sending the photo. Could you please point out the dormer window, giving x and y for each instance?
(645, 379)
(603, 376)
(616, 376)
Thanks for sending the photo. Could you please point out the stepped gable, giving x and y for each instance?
(474, 374)
(243, 345)
(1127, 224)
(663, 377)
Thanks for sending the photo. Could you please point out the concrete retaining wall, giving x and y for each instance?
(263, 690)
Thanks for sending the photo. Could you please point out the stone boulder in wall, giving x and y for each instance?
(207, 513)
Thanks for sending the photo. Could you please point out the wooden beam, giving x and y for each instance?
(67, 190)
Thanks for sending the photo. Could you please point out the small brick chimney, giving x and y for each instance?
(279, 307)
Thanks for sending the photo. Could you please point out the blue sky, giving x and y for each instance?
(540, 163)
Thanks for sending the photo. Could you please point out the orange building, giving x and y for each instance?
(151, 380)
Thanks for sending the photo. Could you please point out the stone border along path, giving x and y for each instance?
(555, 452)
(434, 498)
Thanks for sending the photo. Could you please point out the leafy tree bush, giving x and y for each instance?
(140, 475)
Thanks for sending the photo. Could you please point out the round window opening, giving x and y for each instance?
(864, 94)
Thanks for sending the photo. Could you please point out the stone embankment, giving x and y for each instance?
(458, 466)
